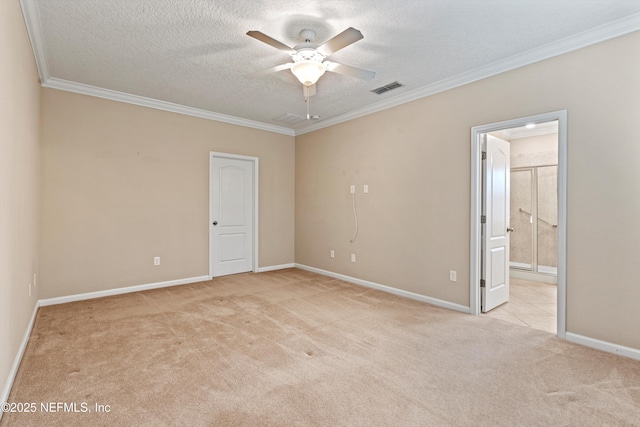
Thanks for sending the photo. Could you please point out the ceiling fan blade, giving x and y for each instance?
(348, 70)
(269, 70)
(270, 41)
(344, 39)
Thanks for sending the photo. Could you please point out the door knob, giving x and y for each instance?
(510, 230)
(215, 222)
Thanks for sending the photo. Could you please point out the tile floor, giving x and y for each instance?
(530, 304)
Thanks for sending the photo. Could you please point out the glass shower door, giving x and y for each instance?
(521, 245)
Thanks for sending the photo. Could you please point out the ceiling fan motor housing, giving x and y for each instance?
(304, 53)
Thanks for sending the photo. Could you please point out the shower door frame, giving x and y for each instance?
(535, 266)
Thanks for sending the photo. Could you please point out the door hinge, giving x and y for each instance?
(484, 155)
(483, 219)
(482, 283)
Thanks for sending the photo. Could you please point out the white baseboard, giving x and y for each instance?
(18, 359)
(118, 291)
(621, 350)
(388, 289)
(275, 267)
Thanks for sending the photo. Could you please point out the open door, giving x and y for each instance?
(495, 223)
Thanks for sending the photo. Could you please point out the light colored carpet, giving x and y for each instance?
(294, 348)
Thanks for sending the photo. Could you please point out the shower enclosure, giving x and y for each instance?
(534, 218)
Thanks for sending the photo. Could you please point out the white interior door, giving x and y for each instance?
(496, 226)
(232, 215)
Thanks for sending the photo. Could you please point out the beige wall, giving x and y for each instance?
(414, 224)
(123, 183)
(19, 183)
(535, 144)
(541, 150)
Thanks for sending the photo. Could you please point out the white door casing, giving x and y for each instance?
(495, 234)
(233, 214)
(476, 210)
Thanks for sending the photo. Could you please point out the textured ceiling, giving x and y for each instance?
(195, 53)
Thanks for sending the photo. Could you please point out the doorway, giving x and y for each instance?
(233, 214)
(478, 261)
(533, 221)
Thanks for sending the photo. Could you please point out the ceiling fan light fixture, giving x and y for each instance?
(308, 71)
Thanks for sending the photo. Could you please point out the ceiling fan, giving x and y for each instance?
(309, 58)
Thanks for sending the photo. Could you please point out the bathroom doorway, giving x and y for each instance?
(533, 246)
(531, 275)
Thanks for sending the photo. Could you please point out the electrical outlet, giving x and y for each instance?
(352, 189)
(453, 276)
(332, 254)
(353, 257)
(365, 189)
(156, 260)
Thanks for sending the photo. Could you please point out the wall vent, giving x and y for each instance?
(387, 88)
(289, 118)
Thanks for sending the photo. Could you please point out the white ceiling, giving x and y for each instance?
(191, 56)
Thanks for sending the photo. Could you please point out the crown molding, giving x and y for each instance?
(599, 34)
(587, 38)
(31, 15)
(161, 105)
(34, 29)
